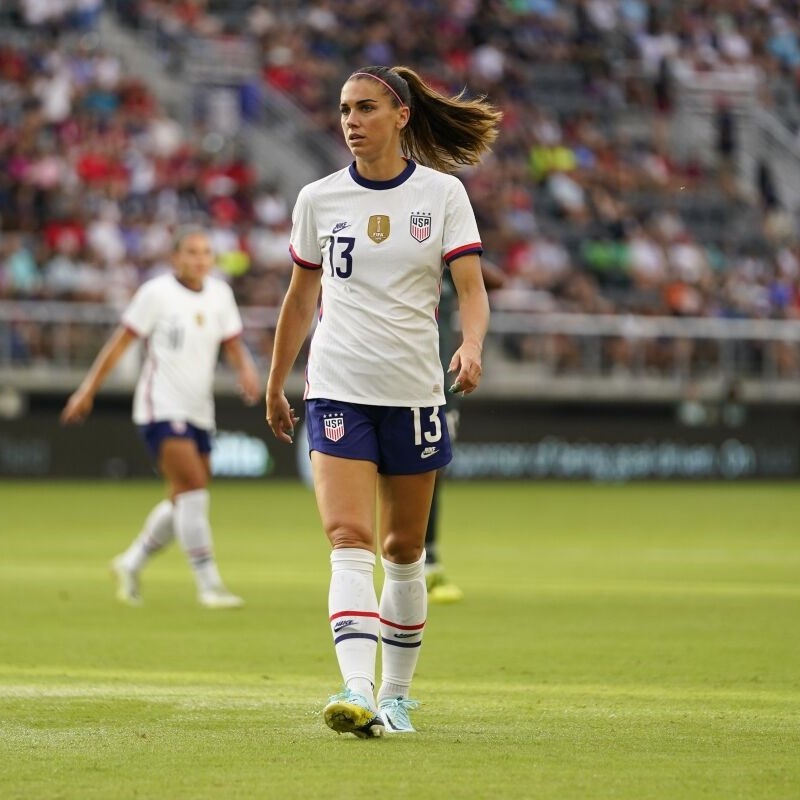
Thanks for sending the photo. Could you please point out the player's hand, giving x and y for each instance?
(281, 417)
(466, 365)
(249, 386)
(78, 407)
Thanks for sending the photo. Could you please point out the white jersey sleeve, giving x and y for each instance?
(460, 229)
(231, 324)
(304, 242)
(143, 310)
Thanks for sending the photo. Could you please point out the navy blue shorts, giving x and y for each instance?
(401, 441)
(154, 434)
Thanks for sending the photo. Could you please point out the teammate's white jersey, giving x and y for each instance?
(183, 331)
(382, 246)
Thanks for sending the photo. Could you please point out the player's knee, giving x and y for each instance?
(402, 549)
(348, 535)
(187, 483)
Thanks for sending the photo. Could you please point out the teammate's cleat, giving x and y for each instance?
(127, 583)
(394, 711)
(349, 712)
(219, 597)
(440, 590)
(445, 593)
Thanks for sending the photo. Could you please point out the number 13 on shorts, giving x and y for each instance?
(427, 425)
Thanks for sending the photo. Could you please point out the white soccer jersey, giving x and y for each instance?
(382, 246)
(183, 331)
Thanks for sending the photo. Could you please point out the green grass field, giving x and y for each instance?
(638, 641)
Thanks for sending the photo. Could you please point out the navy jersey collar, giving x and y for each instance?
(368, 184)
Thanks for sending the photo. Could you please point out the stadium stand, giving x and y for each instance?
(641, 199)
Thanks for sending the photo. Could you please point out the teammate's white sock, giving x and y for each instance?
(193, 531)
(403, 609)
(353, 615)
(158, 531)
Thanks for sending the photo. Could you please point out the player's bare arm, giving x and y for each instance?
(80, 403)
(238, 356)
(473, 307)
(294, 321)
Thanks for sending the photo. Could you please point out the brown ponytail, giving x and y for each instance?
(442, 132)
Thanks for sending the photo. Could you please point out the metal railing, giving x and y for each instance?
(49, 345)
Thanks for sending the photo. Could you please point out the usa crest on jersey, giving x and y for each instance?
(420, 226)
(334, 427)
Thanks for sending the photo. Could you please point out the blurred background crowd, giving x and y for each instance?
(600, 197)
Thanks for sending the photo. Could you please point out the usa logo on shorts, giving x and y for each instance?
(420, 226)
(334, 426)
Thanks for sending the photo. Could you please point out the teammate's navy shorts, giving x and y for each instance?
(401, 441)
(154, 434)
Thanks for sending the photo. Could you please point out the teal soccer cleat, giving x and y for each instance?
(349, 712)
(395, 714)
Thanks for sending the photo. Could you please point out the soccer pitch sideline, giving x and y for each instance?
(615, 641)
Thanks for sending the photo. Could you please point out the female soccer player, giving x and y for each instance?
(184, 318)
(375, 237)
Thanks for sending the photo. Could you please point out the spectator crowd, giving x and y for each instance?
(583, 204)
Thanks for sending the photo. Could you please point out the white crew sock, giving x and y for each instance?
(404, 608)
(193, 531)
(157, 532)
(353, 615)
